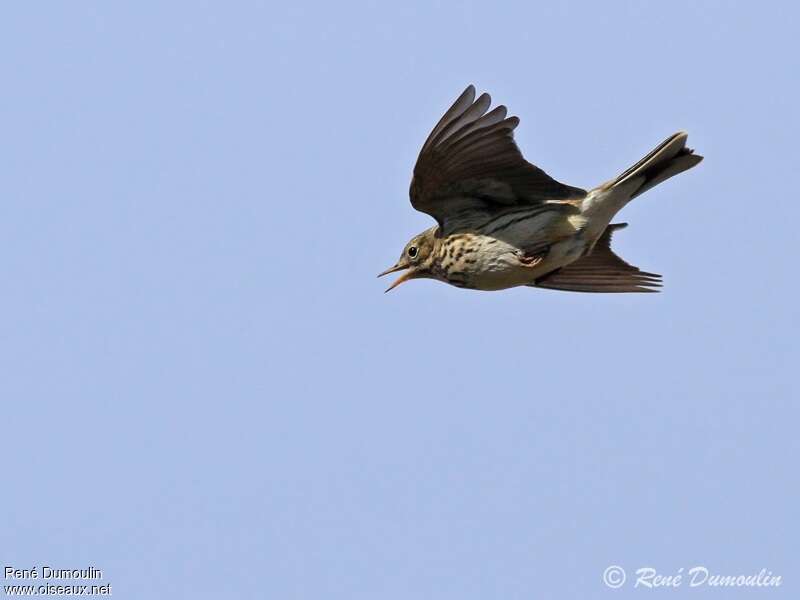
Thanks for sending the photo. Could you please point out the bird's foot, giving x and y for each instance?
(532, 257)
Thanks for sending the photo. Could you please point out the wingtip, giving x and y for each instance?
(681, 135)
(484, 98)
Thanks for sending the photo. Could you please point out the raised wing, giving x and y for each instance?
(470, 162)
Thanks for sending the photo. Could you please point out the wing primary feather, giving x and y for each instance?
(472, 113)
(494, 116)
(462, 103)
(475, 135)
(470, 167)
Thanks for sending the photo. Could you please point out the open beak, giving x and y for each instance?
(399, 280)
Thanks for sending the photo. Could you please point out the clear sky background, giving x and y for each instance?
(206, 393)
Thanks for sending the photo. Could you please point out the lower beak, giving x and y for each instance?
(404, 277)
(401, 279)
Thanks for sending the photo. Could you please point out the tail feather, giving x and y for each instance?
(667, 159)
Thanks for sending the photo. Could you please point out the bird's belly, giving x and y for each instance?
(498, 265)
(499, 270)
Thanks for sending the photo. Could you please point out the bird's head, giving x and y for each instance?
(417, 257)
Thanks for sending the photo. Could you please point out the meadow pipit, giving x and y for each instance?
(503, 222)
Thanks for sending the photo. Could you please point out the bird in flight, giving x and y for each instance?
(503, 222)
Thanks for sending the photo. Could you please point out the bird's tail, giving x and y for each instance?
(665, 160)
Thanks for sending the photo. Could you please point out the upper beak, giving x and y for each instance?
(399, 280)
(397, 267)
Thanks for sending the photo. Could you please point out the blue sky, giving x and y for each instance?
(206, 393)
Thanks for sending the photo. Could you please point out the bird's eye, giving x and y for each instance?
(412, 252)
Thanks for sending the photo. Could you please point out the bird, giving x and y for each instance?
(502, 222)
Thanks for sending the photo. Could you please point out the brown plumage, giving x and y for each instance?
(504, 222)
